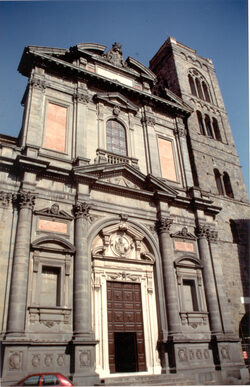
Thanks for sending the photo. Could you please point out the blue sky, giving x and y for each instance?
(217, 29)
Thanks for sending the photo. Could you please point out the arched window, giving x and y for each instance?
(192, 85)
(216, 129)
(116, 138)
(218, 181)
(200, 120)
(208, 126)
(205, 91)
(198, 85)
(227, 185)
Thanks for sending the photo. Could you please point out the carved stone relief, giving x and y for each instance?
(15, 360)
(36, 360)
(122, 241)
(84, 358)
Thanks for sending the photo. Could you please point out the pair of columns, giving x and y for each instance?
(205, 236)
(20, 270)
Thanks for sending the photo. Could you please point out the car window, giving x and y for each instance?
(32, 381)
(50, 380)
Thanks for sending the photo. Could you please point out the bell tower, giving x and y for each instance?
(215, 164)
(214, 159)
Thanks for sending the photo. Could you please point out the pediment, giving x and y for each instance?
(116, 100)
(124, 177)
(54, 212)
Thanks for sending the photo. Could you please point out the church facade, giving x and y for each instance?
(123, 220)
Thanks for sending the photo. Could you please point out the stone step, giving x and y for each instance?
(140, 380)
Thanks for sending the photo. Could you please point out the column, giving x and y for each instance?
(83, 336)
(82, 274)
(203, 232)
(222, 300)
(20, 270)
(163, 228)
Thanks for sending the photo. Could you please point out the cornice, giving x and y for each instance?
(186, 110)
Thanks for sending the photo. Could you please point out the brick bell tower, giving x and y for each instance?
(215, 165)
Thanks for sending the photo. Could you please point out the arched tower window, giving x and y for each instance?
(192, 85)
(116, 138)
(227, 185)
(208, 126)
(205, 91)
(218, 181)
(216, 130)
(200, 120)
(198, 85)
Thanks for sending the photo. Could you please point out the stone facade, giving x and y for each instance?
(123, 219)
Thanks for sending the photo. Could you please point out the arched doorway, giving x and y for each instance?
(124, 312)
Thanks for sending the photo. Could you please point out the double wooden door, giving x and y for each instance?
(125, 328)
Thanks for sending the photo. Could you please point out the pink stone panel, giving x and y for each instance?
(52, 226)
(184, 246)
(55, 132)
(167, 159)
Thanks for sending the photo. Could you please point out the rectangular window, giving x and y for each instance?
(167, 159)
(190, 296)
(50, 286)
(55, 130)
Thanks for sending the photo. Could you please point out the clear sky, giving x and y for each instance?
(217, 29)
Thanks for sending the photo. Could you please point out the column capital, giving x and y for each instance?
(38, 83)
(202, 231)
(180, 131)
(212, 236)
(82, 97)
(26, 199)
(163, 224)
(81, 210)
(5, 198)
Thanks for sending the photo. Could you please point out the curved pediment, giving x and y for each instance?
(188, 261)
(122, 241)
(53, 243)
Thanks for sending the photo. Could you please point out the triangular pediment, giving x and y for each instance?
(123, 177)
(116, 99)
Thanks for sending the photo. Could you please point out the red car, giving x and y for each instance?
(45, 379)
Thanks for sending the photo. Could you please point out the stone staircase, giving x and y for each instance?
(148, 380)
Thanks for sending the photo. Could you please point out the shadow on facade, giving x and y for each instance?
(241, 232)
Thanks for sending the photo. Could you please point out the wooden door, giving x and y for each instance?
(125, 328)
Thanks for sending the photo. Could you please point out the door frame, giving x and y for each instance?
(104, 271)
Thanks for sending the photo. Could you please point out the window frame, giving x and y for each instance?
(125, 137)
